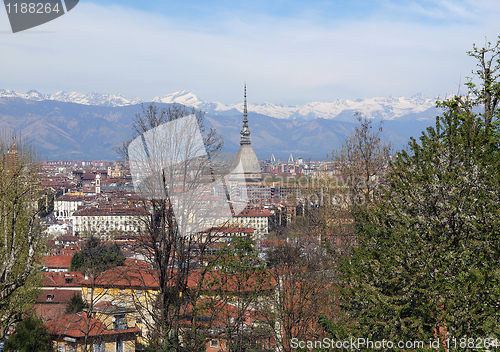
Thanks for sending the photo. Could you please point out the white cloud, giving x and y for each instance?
(283, 60)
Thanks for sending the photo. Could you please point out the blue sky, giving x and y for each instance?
(288, 52)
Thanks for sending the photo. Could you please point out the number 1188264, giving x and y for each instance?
(32, 7)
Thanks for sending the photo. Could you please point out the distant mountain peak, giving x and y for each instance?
(181, 97)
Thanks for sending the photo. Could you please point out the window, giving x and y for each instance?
(99, 346)
(214, 343)
(120, 323)
(50, 298)
(119, 344)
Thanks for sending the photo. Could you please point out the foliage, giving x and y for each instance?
(21, 232)
(30, 336)
(427, 259)
(487, 93)
(97, 257)
(428, 252)
(75, 304)
(285, 254)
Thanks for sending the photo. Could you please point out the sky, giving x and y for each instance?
(288, 52)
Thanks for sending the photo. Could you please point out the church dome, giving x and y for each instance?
(249, 162)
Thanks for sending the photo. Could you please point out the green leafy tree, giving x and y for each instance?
(96, 257)
(427, 259)
(30, 336)
(21, 232)
(75, 304)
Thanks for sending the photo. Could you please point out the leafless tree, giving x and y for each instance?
(362, 161)
(301, 271)
(175, 197)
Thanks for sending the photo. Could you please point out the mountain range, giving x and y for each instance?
(70, 125)
(380, 108)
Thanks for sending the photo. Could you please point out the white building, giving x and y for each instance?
(105, 221)
(257, 219)
(66, 205)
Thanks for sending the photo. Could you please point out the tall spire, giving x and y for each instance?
(245, 131)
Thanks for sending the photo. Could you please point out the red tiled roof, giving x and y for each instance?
(71, 198)
(109, 211)
(232, 229)
(68, 238)
(88, 176)
(123, 276)
(57, 296)
(62, 279)
(254, 212)
(75, 325)
(59, 261)
(137, 263)
(126, 277)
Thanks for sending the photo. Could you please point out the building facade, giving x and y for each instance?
(107, 221)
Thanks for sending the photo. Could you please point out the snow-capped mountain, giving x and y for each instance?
(111, 100)
(79, 126)
(391, 108)
(381, 108)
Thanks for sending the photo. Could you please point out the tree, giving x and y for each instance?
(300, 270)
(239, 284)
(487, 93)
(46, 203)
(169, 251)
(21, 232)
(96, 257)
(362, 160)
(93, 260)
(76, 304)
(30, 336)
(427, 259)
